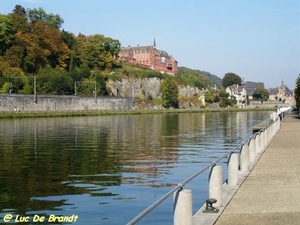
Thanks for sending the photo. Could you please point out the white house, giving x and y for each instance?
(239, 93)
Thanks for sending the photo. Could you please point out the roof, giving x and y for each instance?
(137, 49)
(236, 87)
(148, 48)
(288, 92)
(273, 91)
(162, 53)
(251, 84)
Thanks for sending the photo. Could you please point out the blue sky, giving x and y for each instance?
(257, 40)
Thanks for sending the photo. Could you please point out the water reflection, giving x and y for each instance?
(108, 163)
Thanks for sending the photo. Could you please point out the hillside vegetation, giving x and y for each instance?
(33, 45)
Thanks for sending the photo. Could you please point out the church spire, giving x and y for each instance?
(154, 43)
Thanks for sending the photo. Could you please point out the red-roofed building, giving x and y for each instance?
(149, 57)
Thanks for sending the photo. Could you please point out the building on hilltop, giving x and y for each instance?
(149, 57)
(281, 93)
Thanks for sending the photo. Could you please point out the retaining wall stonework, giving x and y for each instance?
(25, 103)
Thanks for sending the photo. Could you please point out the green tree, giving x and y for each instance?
(223, 94)
(16, 80)
(99, 55)
(297, 92)
(209, 97)
(169, 90)
(5, 33)
(19, 19)
(113, 47)
(191, 77)
(72, 44)
(54, 81)
(51, 20)
(260, 94)
(100, 82)
(5, 88)
(15, 54)
(230, 79)
(42, 46)
(3, 66)
(224, 100)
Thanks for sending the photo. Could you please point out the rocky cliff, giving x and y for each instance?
(144, 88)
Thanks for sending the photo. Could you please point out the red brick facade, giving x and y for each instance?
(149, 57)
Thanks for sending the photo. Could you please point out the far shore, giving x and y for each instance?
(13, 115)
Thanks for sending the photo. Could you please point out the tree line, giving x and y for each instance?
(32, 44)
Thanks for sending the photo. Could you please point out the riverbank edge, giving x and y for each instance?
(14, 115)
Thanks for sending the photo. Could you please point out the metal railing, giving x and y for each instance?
(260, 141)
(172, 191)
(179, 187)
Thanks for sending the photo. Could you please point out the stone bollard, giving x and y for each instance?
(183, 207)
(252, 150)
(257, 143)
(266, 138)
(262, 141)
(244, 158)
(215, 184)
(277, 125)
(233, 169)
(273, 130)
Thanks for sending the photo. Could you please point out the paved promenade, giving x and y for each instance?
(271, 192)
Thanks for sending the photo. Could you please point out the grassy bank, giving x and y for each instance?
(12, 115)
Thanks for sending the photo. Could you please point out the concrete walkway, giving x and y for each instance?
(271, 192)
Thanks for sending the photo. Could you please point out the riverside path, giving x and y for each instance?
(271, 192)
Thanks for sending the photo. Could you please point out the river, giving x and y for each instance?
(107, 169)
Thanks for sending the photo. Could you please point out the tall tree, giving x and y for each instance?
(230, 79)
(99, 55)
(5, 33)
(169, 90)
(42, 46)
(54, 81)
(297, 92)
(260, 94)
(51, 20)
(113, 46)
(19, 19)
(72, 44)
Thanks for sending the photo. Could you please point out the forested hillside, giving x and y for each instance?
(32, 43)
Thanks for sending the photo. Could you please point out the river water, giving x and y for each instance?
(107, 169)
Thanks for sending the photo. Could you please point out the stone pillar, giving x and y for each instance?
(215, 184)
(183, 207)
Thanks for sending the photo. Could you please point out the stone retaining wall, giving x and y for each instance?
(25, 103)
